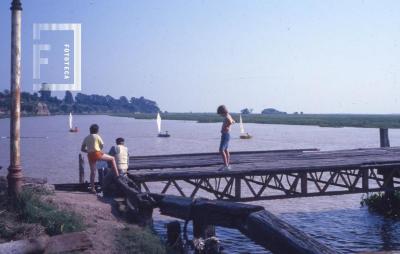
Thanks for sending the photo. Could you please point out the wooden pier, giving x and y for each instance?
(262, 175)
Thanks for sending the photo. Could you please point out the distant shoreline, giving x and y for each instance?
(323, 120)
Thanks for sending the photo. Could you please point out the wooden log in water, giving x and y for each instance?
(259, 225)
(280, 237)
(178, 207)
(222, 213)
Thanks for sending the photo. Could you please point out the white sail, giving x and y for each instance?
(159, 122)
(241, 124)
(70, 121)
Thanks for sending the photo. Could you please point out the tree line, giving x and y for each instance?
(33, 103)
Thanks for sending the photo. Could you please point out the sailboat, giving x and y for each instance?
(243, 135)
(75, 129)
(161, 135)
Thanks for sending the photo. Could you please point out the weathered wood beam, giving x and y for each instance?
(280, 237)
(259, 225)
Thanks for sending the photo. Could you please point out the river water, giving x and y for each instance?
(49, 150)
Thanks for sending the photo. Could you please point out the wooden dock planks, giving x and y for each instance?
(165, 167)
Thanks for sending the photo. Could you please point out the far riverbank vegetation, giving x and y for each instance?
(323, 120)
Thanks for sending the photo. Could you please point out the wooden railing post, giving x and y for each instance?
(384, 137)
(238, 188)
(365, 179)
(303, 182)
(387, 174)
(81, 169)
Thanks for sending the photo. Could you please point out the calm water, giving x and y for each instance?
(49, 150)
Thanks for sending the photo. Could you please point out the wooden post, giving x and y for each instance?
(201, 229)
(388, 184)
(174, 239)
(384, 137)
(365, 179)
(303, 182)
(15, 170)
(81, 169)
(238, 188)
(387, 173)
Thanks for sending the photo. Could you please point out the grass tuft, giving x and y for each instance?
(32, 209)
(135, 240)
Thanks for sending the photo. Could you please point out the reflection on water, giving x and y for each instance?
(337, 220)
(232, 240)
(349, 230)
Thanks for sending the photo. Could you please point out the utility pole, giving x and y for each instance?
(15, 170)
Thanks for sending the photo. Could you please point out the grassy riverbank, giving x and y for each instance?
(323, 120)
(39, 212)
(30, 216)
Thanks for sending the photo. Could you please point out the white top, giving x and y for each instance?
(121, 158)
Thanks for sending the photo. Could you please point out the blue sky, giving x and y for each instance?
(311, 56)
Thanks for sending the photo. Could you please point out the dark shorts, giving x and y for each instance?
(225, 137)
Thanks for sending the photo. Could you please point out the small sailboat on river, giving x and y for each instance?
(161, 135)
(243, 135)
(70, 121)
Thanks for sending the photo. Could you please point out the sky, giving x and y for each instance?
(331, 56)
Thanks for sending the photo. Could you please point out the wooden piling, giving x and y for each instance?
(387, 174)
(174, 239)
(365, 179)
(384, 137)
(238, 187)
(81, 168)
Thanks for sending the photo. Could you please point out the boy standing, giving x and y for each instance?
(225, 136)
(92, 145)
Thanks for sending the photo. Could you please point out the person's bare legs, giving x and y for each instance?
(228, 157)
(110, 158)
(224, 157)
(92, 175)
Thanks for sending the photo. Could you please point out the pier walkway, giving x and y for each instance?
(262, 175)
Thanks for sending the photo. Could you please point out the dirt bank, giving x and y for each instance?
(98, 214)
